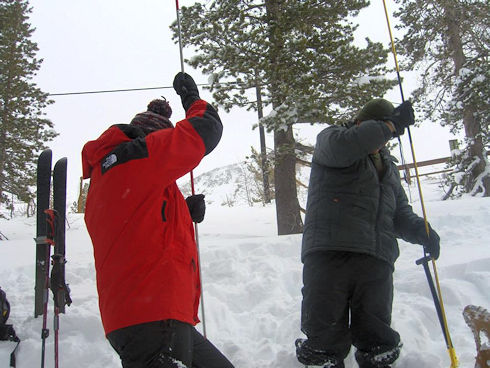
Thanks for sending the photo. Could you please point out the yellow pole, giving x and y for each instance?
(449, 344)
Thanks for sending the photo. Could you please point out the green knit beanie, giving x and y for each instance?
(376, 109)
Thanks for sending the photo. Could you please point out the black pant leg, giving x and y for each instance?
(159, 344)
(206, 355)
(372, 307)
(325, 306)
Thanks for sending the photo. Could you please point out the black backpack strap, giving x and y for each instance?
(7, 332)
(4, 307)
(12, 354)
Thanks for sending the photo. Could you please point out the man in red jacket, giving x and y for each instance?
(142, 232)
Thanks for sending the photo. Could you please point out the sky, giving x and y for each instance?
(96, 45)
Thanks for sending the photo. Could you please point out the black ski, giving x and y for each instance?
(61, 292)
(50, 232)
(42, 246)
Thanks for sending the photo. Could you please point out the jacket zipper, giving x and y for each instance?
(378, 210)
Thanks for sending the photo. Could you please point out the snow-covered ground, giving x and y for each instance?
(252, 289)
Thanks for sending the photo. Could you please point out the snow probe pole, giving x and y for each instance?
(180, 36)
(437, 297)
(192, 179)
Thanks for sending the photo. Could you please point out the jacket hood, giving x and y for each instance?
(94, 151)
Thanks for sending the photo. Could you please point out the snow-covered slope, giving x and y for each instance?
(252, 288)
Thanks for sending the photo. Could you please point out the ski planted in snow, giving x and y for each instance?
(61, 291)
(50, 232)
(42, 246)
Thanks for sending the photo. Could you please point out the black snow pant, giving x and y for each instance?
(165, 344)
(347, 300)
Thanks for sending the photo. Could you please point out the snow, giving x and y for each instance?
(366, 79)
(252, 289)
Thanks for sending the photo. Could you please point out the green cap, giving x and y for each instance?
(376, 109)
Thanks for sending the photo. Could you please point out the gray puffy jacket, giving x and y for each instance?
(349, 208)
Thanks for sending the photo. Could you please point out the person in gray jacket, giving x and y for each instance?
(356, 210)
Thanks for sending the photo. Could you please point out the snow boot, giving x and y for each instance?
(378, 357)
(312, 358)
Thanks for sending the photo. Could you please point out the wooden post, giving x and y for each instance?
(80, 197)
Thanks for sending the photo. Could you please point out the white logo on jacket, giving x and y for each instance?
(109, 161)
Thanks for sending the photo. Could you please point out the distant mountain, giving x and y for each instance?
(234, 185)
(227, 186)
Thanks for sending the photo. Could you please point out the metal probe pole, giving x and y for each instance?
(192, 182)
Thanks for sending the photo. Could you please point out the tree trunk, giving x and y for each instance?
(471, 126)
(2, 155)
(263, 148)
(476, 149)
(287, 205)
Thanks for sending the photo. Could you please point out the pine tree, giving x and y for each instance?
(449, 42)
(23, 130)
(301, 54)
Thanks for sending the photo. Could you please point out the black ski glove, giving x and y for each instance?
(186, 88)
(430, 242)
(402, 117)
(197, 207)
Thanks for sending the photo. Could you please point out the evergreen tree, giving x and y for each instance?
(23, 130)
(449, 42)
(301, 54)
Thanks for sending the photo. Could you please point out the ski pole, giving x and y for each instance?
(437, 298)
(56, 325)
(51, 219)
(192, 181)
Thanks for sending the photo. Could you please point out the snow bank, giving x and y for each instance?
(252, 289)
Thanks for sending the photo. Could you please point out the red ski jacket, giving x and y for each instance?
(142, 233)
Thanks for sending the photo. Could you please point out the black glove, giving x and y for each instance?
(186, 88)
(197, 207)
(430, 242)
(402, 117)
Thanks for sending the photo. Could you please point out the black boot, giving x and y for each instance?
(378, 357)
(313, 358)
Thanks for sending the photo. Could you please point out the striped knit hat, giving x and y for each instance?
(155, 118)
